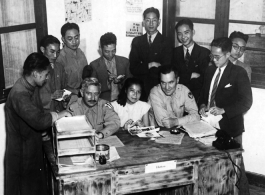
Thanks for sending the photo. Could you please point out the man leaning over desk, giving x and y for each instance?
(169, 100)
(101, 116)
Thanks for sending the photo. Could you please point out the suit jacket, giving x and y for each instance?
(142, 53)
(233, 94)
(246, 67)
(198, 63)
(99, 70)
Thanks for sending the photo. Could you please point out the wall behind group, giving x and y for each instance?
(107, 16)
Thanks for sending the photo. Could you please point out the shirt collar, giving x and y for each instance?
(106, 61)
(28, 85)
(70, 52)
(86, 108)
(153, 36)
(190, 48)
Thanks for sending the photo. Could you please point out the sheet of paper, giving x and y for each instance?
(73, 123)
(111, 141)
(74, 143)
(199, 129)
(114, 155)
(169, 138)
(66, 93)
(212, 120)
(151, 133)
(161, 166)
(208, 140)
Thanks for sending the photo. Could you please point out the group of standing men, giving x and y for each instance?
(178, 81)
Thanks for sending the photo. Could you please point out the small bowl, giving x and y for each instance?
(102, 150)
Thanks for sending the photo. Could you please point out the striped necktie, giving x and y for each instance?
(187, 58)
(215, 85)
(149, 40)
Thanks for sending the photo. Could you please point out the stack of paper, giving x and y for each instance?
(73, 123)
(199, 129)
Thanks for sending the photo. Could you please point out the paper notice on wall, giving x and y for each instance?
(134, 6)
(77, 11)
(134, 29)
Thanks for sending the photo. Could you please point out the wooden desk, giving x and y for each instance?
(209, 170)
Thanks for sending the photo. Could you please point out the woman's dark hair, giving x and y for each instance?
(35, 62)
(122, 97)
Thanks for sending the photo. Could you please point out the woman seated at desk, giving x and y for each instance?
(129, 105)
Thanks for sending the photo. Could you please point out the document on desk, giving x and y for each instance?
(74, 143)
(73, 123)
(114, 155)
(168, 138)
(111, 141)
(199, 129)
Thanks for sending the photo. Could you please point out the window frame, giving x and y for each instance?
(221, 23)
(41, 30)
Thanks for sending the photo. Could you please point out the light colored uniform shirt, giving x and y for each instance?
(134, 111)
(73, 65)
(245, 66)
(102, 118)
(174, 106)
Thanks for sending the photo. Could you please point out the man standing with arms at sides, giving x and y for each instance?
(150, 51)
(227, 92)
(190, 59)
(111, 70)
(71, 57)
(169, 100)
(57, 81)
(239, 42)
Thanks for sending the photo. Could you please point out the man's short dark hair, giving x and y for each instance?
(238, 34)
(151, 10)
(35, 62)
(68, 26)
(168, 69)
(108, 39)
(47, 40)
(224, 43)
(184, 21)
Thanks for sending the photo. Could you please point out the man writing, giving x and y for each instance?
(150, 51)
(102, 118)
(169, 100)
(110, 69)
(227, 92)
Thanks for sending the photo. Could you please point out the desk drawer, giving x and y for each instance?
(134, 179)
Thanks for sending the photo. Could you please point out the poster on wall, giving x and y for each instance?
(77, 11)
(134, 29)
(134, 6)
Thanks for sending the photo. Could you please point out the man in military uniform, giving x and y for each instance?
(169, 100)
(101, 116)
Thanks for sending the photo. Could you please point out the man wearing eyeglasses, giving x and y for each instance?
(226, 91)
(150, 51)
(239, 41)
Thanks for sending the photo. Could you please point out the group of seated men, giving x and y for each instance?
(179, 82)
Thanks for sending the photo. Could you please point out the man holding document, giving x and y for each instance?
(227, 92)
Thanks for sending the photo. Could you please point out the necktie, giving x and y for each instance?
(214, 88)
(149, 40)
(187, 58)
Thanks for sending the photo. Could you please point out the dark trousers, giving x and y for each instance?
(243, 182)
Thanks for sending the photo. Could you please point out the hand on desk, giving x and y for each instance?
(169, 122)
(195, 75)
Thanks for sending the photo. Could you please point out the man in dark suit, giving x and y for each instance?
(190, 59)
(227, 92)
(150, 51)
(111, 70)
